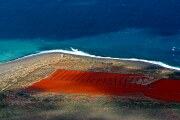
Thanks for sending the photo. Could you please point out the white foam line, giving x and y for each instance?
(81, 53)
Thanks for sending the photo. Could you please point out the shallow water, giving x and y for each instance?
(115, 28)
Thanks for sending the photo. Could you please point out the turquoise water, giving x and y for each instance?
(140, 47)
(141, 29)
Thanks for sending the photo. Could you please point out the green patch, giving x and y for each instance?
(11, 111)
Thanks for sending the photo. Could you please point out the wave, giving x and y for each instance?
(81, 53)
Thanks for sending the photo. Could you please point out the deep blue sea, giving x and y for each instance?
(142, 29)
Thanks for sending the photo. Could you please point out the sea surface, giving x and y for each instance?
(146, 30)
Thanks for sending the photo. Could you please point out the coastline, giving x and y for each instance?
(16, 70)
(18, 75)
(76, 52)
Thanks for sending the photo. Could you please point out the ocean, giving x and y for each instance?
(146, 30)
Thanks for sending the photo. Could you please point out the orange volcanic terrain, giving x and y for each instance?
(100, 83)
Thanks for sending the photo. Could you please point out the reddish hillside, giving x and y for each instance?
(164, 89)
(70, 82)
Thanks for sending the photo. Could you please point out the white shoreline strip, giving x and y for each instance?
(81, 53)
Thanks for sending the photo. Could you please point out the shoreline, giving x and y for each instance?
(18, 75)
(78, 53)
(13, 72)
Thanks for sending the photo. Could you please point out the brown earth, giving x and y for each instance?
(16, 103)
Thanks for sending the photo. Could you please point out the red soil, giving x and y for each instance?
(70, 82)
(164, 89)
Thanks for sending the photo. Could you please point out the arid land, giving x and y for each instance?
(17, 103)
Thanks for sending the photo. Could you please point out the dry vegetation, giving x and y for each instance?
(16, 103)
